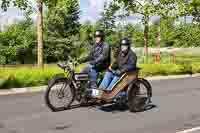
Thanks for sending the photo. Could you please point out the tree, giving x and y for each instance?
(40, 33)
(146, 9)
(21, 35)
(87, 30)
(63, 26)
(62, 19)
(108, 17)
(23, 4)
(195, 5)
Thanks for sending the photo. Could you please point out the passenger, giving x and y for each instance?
(126, 61)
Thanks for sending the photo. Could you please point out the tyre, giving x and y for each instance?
(139, 95)
(59, 94)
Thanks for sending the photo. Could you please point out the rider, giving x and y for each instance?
(99, 58)
(126, 61)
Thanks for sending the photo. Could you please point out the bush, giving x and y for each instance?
(163, 69)
(32, 76)
(196, 67)
(28, 76)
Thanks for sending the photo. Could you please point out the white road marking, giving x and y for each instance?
(190, 130)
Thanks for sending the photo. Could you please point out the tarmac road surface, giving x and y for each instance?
(177, 108)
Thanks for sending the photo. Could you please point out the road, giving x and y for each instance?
(177, 108)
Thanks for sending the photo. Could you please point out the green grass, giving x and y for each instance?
(166, 58)
(196, 67)
(11, 77)
(14, 77)
(164, 69)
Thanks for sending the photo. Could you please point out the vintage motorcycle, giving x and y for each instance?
(65, 88)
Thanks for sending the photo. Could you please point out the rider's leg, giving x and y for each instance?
(91, 72)
(106, 80)
(115, 79)
(93, 78)
(87, 69)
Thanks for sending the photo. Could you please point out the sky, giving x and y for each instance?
(90, 10)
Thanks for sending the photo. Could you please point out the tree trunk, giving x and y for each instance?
(185, 19)
(146, 31)
(158, 45)
(40, 33)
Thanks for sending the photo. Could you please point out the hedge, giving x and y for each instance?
(33, 76)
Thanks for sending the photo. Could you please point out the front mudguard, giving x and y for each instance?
(56, 77)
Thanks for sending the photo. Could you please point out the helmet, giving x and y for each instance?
(125, 41)
(99, 33)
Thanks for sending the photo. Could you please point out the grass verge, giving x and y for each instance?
(14, 77)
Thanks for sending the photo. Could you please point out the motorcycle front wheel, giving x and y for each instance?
(59, 94)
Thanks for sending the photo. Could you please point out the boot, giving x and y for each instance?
(95, 92)
(93, 85)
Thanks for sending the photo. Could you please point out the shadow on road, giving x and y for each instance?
(115, 108)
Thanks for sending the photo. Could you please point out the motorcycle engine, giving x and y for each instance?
(82, 86)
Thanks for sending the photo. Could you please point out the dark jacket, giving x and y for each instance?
(125, 63)
(100, 56)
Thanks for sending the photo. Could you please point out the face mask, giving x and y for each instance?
(124, 48)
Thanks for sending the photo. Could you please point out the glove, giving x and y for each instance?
(92, 62)
(92, 66)
(118, 73)
(81, 60)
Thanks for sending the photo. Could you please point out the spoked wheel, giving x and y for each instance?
(59, 94)
(139, 95)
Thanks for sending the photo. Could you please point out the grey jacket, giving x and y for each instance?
(125, 63)
(100, 56)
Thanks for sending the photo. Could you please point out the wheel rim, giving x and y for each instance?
(141, 95)
(60, 95)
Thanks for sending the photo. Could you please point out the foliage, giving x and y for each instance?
(26, 76)
(195, 67)
(20, 35)
(163, 69)
(32, 76)
(22, 4)
(183, 35)
(58, 49)
(62, 31)
(195, 5)
(108, 18)
(62, 20)
(87, 30)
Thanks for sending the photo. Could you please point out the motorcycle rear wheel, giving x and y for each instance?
(139, 95)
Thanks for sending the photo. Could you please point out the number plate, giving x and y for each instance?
(95, 92)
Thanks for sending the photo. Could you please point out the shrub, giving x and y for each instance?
(196, 67)
(33, 76)
(28, 76)
(163, 69)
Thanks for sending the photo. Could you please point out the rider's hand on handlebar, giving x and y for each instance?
(80, 61)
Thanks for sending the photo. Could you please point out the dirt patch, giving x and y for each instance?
(63, 127)
(2, 125)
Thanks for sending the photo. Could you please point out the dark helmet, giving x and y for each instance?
(99, 33)
(125, 41)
